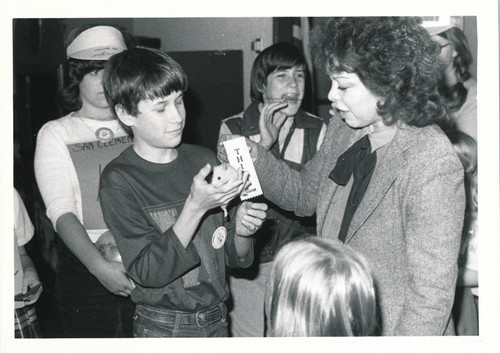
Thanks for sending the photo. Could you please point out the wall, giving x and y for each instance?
(470, 31)
(194, 34)
(70, 23)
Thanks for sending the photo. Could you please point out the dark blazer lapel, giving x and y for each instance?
(383, 178)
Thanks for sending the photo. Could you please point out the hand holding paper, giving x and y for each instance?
(239, 157)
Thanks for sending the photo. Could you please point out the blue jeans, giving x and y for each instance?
(156, 322)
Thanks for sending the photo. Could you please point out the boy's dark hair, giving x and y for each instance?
(394, 57)
(141, 73)
(280, 56)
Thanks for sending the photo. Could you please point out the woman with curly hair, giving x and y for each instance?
(386, 180)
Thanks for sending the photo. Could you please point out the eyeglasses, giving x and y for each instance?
(441, 46)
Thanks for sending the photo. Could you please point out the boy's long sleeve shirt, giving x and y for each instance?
(140, 202)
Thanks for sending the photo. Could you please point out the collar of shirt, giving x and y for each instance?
(380, 135)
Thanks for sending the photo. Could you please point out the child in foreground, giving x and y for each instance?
(277, 86)
(170, 230)
(26, 280)
(320, 287)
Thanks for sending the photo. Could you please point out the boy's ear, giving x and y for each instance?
(261, 88)
(124, 117)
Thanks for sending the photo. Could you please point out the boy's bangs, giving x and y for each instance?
(283, 62)
(287, 66)
(164, 84)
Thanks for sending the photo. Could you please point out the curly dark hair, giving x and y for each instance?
(394, 57)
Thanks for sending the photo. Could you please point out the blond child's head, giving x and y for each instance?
(321, 287)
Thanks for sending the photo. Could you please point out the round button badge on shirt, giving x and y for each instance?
(219, 237)
(104, 134)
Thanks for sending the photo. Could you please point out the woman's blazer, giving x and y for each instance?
(408, 224)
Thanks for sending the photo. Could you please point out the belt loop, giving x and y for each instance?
(223, 311)
(177, 324)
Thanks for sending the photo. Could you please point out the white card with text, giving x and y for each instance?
(239, 157)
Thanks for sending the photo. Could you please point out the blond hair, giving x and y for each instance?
(321, 287)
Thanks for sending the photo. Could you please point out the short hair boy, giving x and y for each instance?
(174, 240)
(278, 82)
